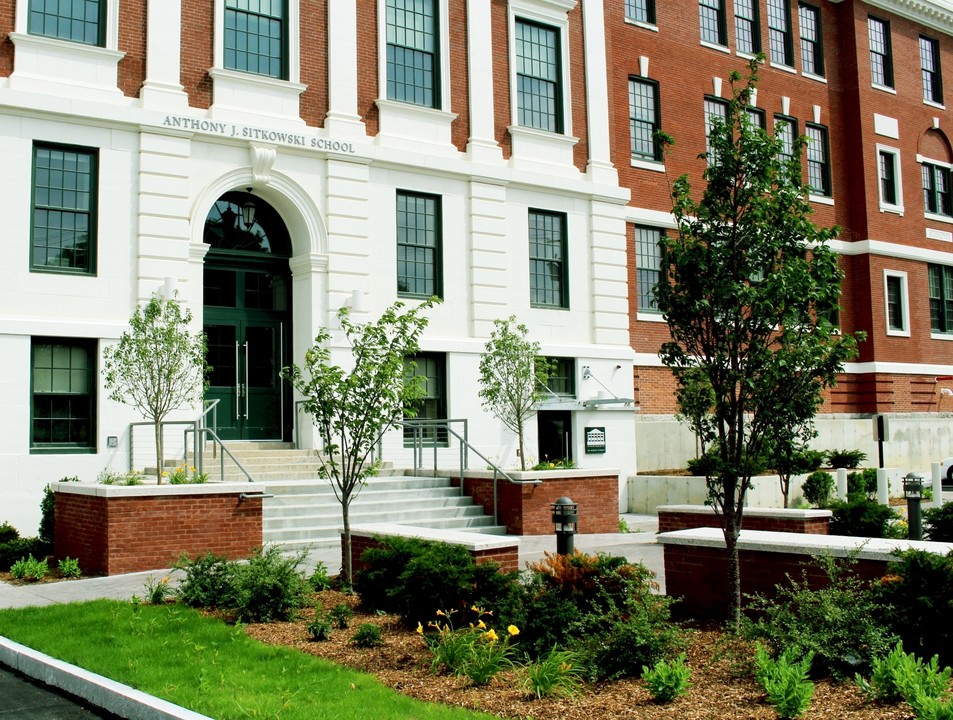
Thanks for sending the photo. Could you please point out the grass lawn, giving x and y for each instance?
(202, 664)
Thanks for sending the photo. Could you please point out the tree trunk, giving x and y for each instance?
(346, 518)
(519, 433)
(732, 531)
(158, 432)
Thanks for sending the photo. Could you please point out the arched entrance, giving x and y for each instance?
(247, 310)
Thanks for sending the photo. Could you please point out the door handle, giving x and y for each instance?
(246, 379)
(238, 386)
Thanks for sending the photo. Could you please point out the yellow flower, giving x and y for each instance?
(441, 613)
(513, 630)
(481, 625)
(165, 473)
(491, 635)
(420, 629)
(476, 610)
(565, 667)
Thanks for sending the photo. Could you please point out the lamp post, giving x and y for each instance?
(913, 492)
(565, 519)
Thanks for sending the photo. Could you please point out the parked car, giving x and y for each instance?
(946, 471)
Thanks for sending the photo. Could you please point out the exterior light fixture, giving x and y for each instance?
(565, 520)
(913, 492)
(248, 213)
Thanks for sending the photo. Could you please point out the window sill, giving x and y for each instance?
(52, 270)
(938, 218)
(712, 46)
(650, 316)
(537, 306)
(65, 69)
(885, 88)
(893, 209)
(400, 121)
(541, 148)
(784, 68)
(934, 104)
(941, 336)
(643, 25)
(655, 166)
(812, 76)
(58, 450)
(898, 333)
(236, 95)
(821, 199)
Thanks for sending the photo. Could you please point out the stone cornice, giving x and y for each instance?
(930, 13)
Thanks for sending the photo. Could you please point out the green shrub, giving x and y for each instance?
(111, 477)
(473, 650)
(8, 533)
(862, 484)
(900, 675)
(838, 624)
(29, 568)
(861, 517)
(818, 487)
(368, 635)
(938, 523)
(849, 459)
(158, 590)
(917, 598)
(930, 708)
(20, 548)
(47, 511)
(705, 466)
(269, 586)
(555, 674)
(207, 582)
(785, 682)
(341, 616)
(320, 628)
(668, 679)
(319, 579)
(69, 568)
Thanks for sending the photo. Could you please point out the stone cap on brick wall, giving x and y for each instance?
(164, 490)
(788, 513)
(800, 544)
(474, 542)
(560, 474)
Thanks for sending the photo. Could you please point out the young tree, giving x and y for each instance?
(746, 281)
(512, 377)
(353, 409)
(158, 365)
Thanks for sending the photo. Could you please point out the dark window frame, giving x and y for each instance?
(646, 8)
(881, 70)
(91, 213)
(435, 250)
(894, 300)
(393, 48)
(528, 115)
(558, 282)
(819, 165)
(231, 15)
(647, 275)
(780, 37)
(931, 77)
(712, 101)
(655, 123)
(937, 193)
(791, 122)
(713, 22)
(812, 48)
(940, 284)
(431, 406)
(562, 377)
(748, 27)
(54, 417)
(36, 24)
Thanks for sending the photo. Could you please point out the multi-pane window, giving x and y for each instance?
(881, 60)
(930, 70)
(818, 160)
(780, 44)
(936, 189)
(785, 129)
(82, 21)
(716, 113)
(64, 209)
(644, 119)
(648, 263)
(812, 49)
(711, 16)
(418, 244)
(640, 11)
(412, 60)
(941, 298)
(431, 368)
(538, 77)
(256, 37)
(757, 117)
(64, 395)
(562, 376)
(547, 259)
(747, 27)
(896, 313)
(887, 170)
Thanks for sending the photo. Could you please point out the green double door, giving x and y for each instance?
(247, 333)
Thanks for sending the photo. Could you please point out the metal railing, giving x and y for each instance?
(419, 426)
(205, 432)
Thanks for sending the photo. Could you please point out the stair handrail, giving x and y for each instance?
(418, 426)
(163, 424)
(206, 432)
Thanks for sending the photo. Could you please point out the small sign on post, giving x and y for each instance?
(595, 440)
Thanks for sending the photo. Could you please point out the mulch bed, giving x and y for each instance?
(722, 687)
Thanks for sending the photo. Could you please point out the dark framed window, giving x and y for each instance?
(818, 159)
(413, 67)
(881, 56)
(538, 77)
(419, 244)
(562, 376)
(432, 368)
(812, 47)
(648, 263)
(65, 192)
(747, 27)
(780, 42)
(757, 117)
(887, 164)
(548, 283)
(640, 11)
(711, 17)
(256, 37)
(936, 189)
(941, 298)
(82, 21)
(716, 114)
(63, 387)
(785, 129)
(930, 70)
(895, 310)
(644, 119)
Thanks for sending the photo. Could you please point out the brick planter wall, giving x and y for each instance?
(482, 548)
(684, 517)
(113, 529)
(525, 509)
(696, 567)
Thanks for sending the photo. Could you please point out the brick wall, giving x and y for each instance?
(525, 509)
(111, 535)
(7, 23)
(132, 41)
(507, 557)
(777, 521)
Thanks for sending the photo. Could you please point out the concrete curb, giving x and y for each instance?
(114, 697)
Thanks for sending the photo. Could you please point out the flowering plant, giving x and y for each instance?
(474, 651)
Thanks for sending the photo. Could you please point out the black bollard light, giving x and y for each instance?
(913, 492)
(565, 519)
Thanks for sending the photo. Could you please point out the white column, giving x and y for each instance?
(482, 146)
(490, 247)
(610, 290)
(342, 119)
(600, 166)
(162, 88)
